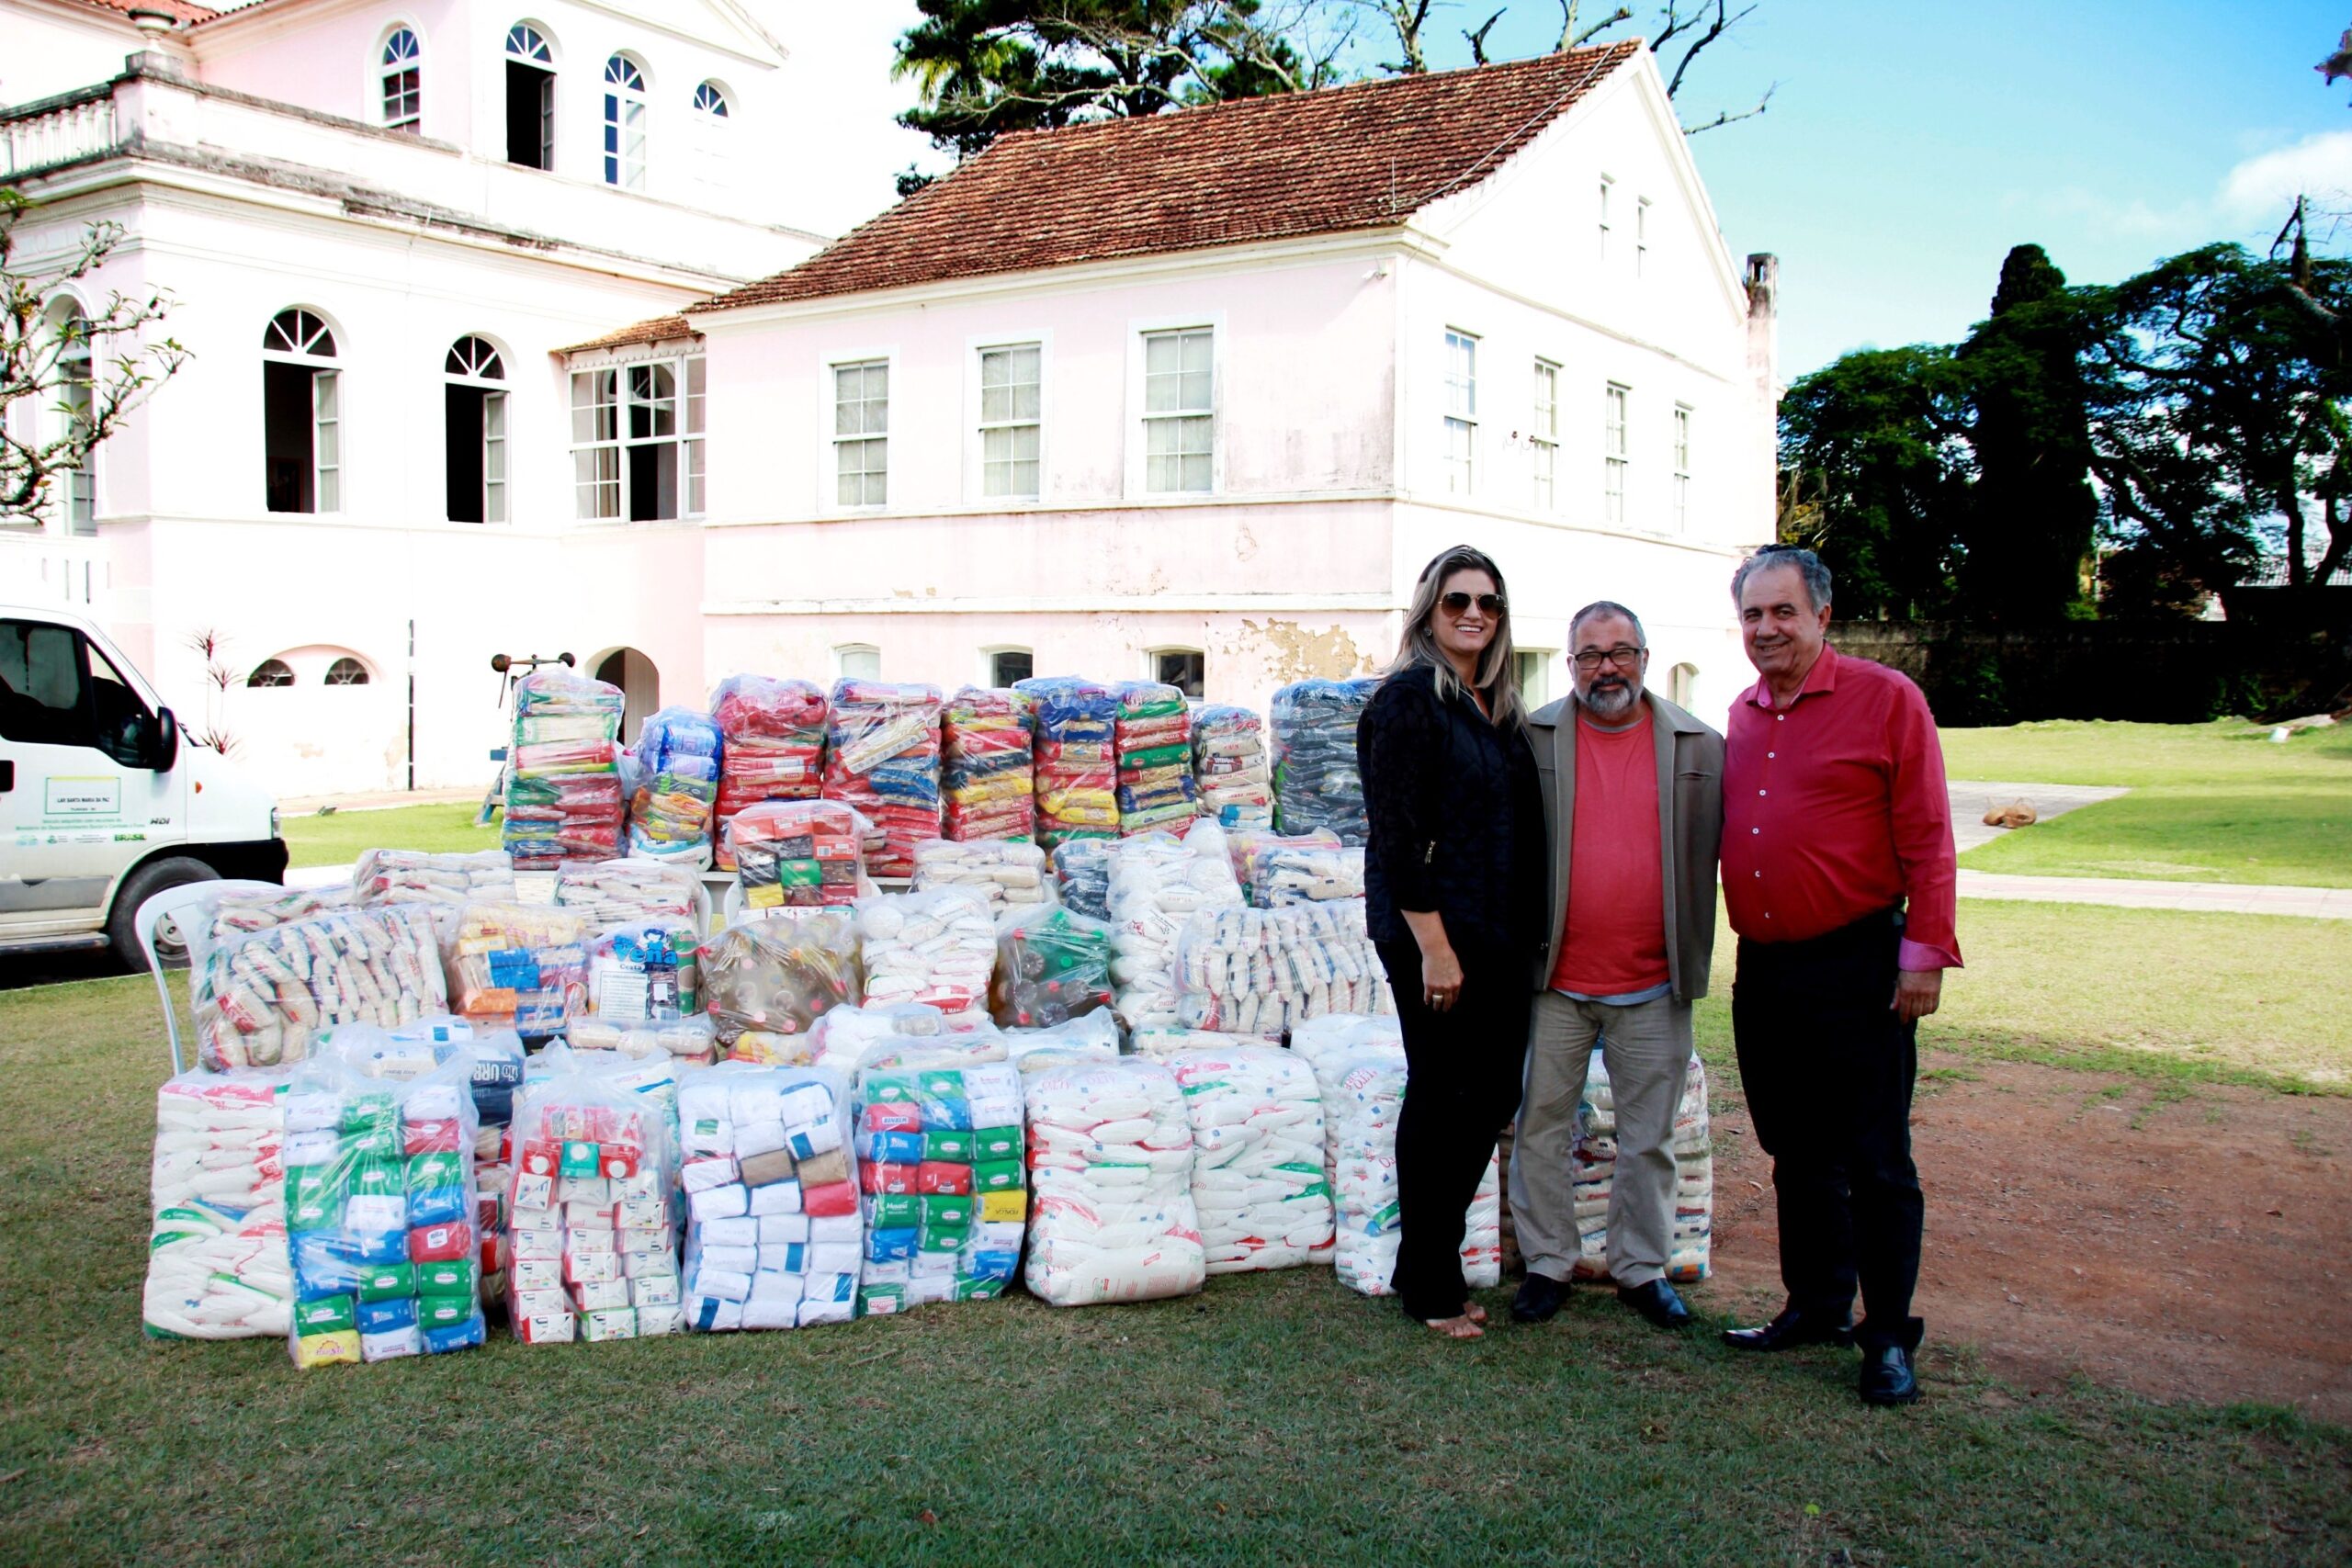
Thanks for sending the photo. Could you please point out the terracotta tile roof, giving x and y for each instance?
(186, 15)
(1344, 158)
(660, 329)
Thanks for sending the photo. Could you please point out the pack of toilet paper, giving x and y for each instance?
(770, 1177)
(589, 1211)
(216, 1266)
(1595, 1157)
(1111, 1216)
(942, 1187)
(1258, 1181)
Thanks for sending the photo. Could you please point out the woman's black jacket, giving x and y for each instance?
(1457, 820)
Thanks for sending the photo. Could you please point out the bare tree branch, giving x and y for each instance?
(1726, 117)
(1570, 37)
(1478, 41)
(1405, 18)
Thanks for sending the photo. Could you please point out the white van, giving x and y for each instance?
(100, 804)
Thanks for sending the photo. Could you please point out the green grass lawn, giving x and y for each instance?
(1271, 1418)
(345, 836)
(2210, 802)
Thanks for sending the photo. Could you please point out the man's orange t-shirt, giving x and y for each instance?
(1612, 942)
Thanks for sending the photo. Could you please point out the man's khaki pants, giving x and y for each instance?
(1646, 1048)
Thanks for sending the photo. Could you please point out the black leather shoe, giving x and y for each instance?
(1887, 1377)
(1788, 1331)
(1539, 1300)
(1657, 1302)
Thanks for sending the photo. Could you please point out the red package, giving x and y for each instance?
(877, 1178)
(430, 1137)
(441, 1244)
(940, 1177)
(541, 1156)
(892, 1116)
(618, 1161)
(833, 1198)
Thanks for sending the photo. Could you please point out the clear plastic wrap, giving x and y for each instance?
(1316, 782)
(882, 756)
(616, 892)
(847, 1037)
(1160, 1042)
(774, 1238)
(1262, 971)
(1082, 876)
(563, 782)
(793, 854)
(380, 1212)
(772, 746)
(646, 972)
(1111, 1216)
(520, 966)
(944, 1191)
(594, 1234)
(1089, 1037)
(413, 876)
(1077, 773)
(675, 793)
(1233, 779)
(1595, 1165)
(1052, 965)
(217, 1262)
(1153, 746)
(1005, 871)
(691, 1041)
(1282, 870)
(1159, 882)
(263, 995)
(1258, 1143)
(1245, 842)
(985, 756)
(937, 947)
(776, 976)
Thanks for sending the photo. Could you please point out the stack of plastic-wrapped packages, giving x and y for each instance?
(1359, 1066)
(1089, 1037)
(878, 1033)
(1232, 779)
(265, 988)
(1317, 782)
(799, 853)
(985, 755)
(772, 746)
(645, 995)
(1111, 1216)
(1082, 876)
(1263, 971)
(944, 1197)
(937, 948)
(773, 1232)
(380, 1212)
(1052, 964)
(1258, 1179)
(1288, 871)
(1595, 1163)
(882, 756)
(594, 1236)
(1076, 769)
(216, 1266)
(676, 790)
(610, 892)
(520, 966)
(1246, 843)
(1158, 883)
(767, 982)
(1003, 872)
(415, 876)
(563, 781)
(1153, 743)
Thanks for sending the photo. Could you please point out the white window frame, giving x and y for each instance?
(1544, 437)
(1151, 657)
(406, 112)
(983, 426)
(1606, 185)
(490, 375)
(623, 161)
(845, 651)
(1616, 422)
(76, 498)
(1533, 675)
(989, 654)
(1641, 235)
(1682, 467)
(1140, 336)
(609, 440)
(837, 441)
(1459, 451)
(326, 404)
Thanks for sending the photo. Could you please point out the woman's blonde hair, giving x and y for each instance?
(1498, 666)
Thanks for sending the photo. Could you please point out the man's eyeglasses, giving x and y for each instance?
(1621, 656)
(1489, 603)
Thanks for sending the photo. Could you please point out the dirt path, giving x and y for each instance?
(2188, 1248)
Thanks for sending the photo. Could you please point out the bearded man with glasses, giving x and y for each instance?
(1632, 807)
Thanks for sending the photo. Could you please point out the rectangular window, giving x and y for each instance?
(697, 401)
(650, 442)
(1532, 667)
(329, 421)
(1682, 467)
(1185, 669)
(1460, 412)
(403, 100)
(1179, 421)
(1613, 451)
(1544, 437)
(1605, 183)
(595, 443)
(1007, 665)
(859, 662)
(80, 486)
(474, 432)
(1011, 411)
(493, 457)
(629, 458)
(1641, 236)
(861, 433)
(530, 116)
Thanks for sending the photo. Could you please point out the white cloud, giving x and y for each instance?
(2261, 190)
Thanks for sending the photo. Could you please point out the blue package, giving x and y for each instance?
(324, 1266)
(705, 1309)
(377, 1248)
(890, 1246)
(946, 1113)
(881, 1149)
(436, 1206)
(992, 1264)
(383, 1317)
(455, 1336)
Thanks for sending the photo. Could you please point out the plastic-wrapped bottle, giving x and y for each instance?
(1052, 965)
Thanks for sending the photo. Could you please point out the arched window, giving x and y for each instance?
(271, 672)
(475, 404)
(77, 495)
(530, 98)
(710, 98)
(301, 414)
(625, 116)
(347, 672)
(400, 71)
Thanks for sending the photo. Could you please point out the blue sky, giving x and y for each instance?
(1910, 144)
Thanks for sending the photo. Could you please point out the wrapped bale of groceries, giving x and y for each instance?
(520, 966)
(1110, 1215)
(217, 1264)
(413, 876)
(937, 948)
(1082, 876)
(985, 752)
(1246, 843)
(1158, 883)
(1316, 782)
(1003, 872)
(1233, 780)
(772, 746)
(1264, 971)
(1284, 871)
(563, 781)
(263, 994)
(1257, 1180)
(799, 854)
(882, 756)
(1594, 1161)
(769, 979)
(773, 1231)
(1152, 741)
(1052, 965)
(594, 1232)
(1089, 1037)
(1077, 768)
(675, 794)
(616, 892)
(945, 1192)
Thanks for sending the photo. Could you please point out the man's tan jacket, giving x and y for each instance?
(1691, 829)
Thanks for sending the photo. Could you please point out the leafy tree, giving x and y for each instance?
(91, 371)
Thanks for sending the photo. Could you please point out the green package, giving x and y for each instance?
(581, 1159)
(895, 1210)
(444, 1312)
(875, 1301)
(370, 1143)
(997, 1176)
(368, 1111)
(951, 1147)
(387, 1281)
(943, 1084)
(942, 1238)
(979, 1290)
(941, 1211)
(996, 1143)
(314, 1196)
(432, 1173)
(799, 874)
(889, 1088)
(333, 1315)
(379, 1179)
(451, 1278)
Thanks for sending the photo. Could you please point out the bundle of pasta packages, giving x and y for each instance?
(1233, 782)
(1152, 740)
(1077, 767)
(1263, 971)
(675, 792)
(773, 1231)
(882, 756)
(1158, 883)
(264, 992)
(1316, 782)
(1003, 872)
(985, 751)
(940, 1169)
(415, 876)
(614, 892)
(772, 746)
(563, 781)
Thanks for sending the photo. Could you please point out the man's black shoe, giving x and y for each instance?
(1887, 1377)
(1788, 1331)
(1540, 1299)
(1657, 1302)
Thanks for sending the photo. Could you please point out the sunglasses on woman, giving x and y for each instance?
(1489, 603)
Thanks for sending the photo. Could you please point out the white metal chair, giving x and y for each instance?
(164, 905)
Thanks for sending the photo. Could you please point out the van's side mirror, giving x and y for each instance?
(162, 747)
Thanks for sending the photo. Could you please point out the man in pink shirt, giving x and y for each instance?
(1634, 812)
